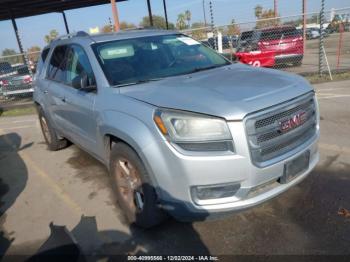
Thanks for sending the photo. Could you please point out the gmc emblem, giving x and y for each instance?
(293, 122)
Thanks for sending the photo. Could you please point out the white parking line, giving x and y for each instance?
(331, 89)
(17, 127)
(55, 187)
(24, 121)
(330, 96)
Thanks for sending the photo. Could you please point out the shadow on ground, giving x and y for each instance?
(304, 219)
(13, 180)
(86, 243)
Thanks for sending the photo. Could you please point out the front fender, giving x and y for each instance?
(132, 131)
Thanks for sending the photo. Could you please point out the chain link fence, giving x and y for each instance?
(16, 77)
(280, 43)
(277, 43)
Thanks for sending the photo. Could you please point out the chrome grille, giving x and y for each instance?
(265, 137)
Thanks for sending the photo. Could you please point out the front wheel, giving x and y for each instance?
(135, 193)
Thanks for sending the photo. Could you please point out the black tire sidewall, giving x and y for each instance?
(55, 143)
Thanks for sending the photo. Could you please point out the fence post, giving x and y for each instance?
(219, 42)
(321, 45)
(24, 54)
(212, 24)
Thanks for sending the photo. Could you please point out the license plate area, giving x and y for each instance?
(295, 167)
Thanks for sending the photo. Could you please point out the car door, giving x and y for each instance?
(80, 103)
(55, 89)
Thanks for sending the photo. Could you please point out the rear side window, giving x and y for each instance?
(57, 65)
(246, 35)
(42, 60)
(279, 34)
(44, 54)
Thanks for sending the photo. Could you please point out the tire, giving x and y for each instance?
(131, 182)
(53, 142)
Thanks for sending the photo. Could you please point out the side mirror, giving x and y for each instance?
(82, 83)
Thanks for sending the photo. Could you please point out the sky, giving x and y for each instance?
(33, 29)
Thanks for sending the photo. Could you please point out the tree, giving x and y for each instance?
(265, 18)
(34, 53)
(258, 11)
(181, 21)
(233, 29)
(158, 22)
(199, 31)
(188, 17)
(53, 34)
(107, 29)
(11, 56)
(125, 25)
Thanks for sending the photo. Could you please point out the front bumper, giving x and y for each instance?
(174, 174)
(289, 58)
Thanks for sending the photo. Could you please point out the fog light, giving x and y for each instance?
(214, 191)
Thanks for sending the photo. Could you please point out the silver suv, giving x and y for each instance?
(182, 130)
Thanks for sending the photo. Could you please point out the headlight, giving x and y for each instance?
(194, 132)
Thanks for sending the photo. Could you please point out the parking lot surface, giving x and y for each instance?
(69, 188)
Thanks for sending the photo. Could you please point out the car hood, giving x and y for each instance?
(230, 92)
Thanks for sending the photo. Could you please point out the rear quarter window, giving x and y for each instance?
(42, 60)
(56, 67)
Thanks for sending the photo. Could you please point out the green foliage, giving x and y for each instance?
(107, 29)
(184, 20)
(53, 34)
(158, 22)
(181, 21)
(125, 25)
(11, 56)
(233, 28)
(264, 17)
(258, 10)
(188, 17)
(200, 32)
(34, 53)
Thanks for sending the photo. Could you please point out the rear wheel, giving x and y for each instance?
(53, 142)
(135, 193)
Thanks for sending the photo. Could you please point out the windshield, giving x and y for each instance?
(150, 58)
(246, 35)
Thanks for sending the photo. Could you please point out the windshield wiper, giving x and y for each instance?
(199, 69)
(138, 82)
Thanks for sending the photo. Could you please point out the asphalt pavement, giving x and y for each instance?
(69, 188)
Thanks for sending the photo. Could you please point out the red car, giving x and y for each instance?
(284, 42)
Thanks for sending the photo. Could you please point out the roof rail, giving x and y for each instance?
(75, 34)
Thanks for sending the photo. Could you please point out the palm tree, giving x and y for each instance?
(181, 21)
(258, 11)
(188, 17)
(51, 36)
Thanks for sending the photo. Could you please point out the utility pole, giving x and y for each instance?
(304, 24)
(275, 8)
(204, 14)
(150, 13)
(166, 15)
(115, 16)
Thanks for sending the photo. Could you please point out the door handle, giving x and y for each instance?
(63, 99)
(46, 92)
